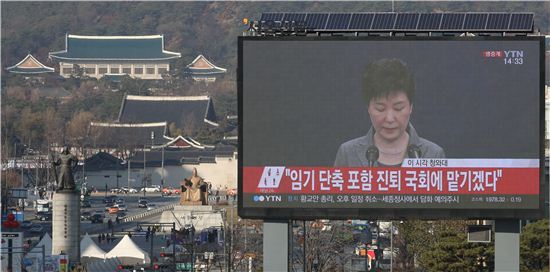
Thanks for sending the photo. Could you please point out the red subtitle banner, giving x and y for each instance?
(404, 180)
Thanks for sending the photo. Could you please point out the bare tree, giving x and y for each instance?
(77, 129)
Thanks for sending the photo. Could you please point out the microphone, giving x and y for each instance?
(372, 155)
(414, 151)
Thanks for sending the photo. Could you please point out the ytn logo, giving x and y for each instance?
(513, 53)
(268, 198)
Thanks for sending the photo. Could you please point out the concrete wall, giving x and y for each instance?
(221, 174)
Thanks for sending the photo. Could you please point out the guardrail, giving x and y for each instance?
(148, 213)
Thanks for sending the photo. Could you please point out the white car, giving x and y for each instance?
(151, 189)
(127, 190)
(151, 206)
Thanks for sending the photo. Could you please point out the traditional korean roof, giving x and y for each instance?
(29, 65)
(103, 161)
(201, 66)
(182, 142)
(183, 111)
(114, 135)
(114, 48)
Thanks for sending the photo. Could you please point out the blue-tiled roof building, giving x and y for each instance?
(137, 56)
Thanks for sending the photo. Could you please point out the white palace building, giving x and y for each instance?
(137, 56)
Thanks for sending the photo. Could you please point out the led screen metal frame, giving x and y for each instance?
(393, 213)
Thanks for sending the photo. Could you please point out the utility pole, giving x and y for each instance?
(143, 182)
(162, 169)
(129, 162)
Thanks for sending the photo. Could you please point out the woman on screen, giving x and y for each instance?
(389, 91)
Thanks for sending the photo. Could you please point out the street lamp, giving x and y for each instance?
(143, 181)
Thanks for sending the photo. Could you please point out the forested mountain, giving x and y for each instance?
(210, 28)
(190, 28)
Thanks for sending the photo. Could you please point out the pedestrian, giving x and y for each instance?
(99, 238)
(102, 237)
(147, 236)
(108, 239)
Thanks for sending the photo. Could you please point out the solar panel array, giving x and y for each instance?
(392, 21)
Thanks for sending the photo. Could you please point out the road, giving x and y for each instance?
(131, 200)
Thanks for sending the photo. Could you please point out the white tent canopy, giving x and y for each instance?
(128, 252)
(89, 249)
(35, 254)
(37, 250)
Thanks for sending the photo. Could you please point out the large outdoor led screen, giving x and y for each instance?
(399, 127)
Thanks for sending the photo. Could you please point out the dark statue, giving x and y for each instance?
(66, 162)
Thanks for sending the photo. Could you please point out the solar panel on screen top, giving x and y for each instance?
(338, 21)
(406, 21)
(429, 21)
(297, 17)
(361, 21)
(272, 16)
(316, 20)
(521, 21)
(452, 21)
(475, 21)
(498, 21)
(384, 21)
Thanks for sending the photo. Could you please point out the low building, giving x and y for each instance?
(217, 165)
(201, 69)
(141, 57)
(30, 66)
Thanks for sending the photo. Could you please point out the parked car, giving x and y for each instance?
(44, 216)
(128, 190)
(151, 189)
(170, 191)
(119, 201)
(121, 207)
(121, 214)
(142, 204)
(85, 216)
(151, 206)
(97, 218)
(110, 199)
(26, 224)
(37, 229)
(108, 206)
(113, 210)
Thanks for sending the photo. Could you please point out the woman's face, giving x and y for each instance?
(390, 115)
